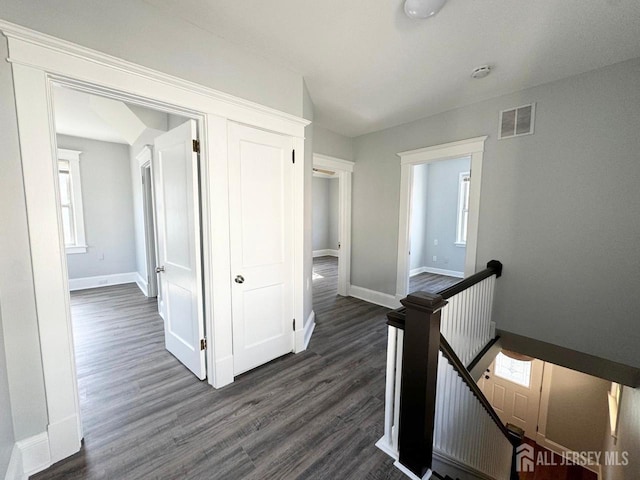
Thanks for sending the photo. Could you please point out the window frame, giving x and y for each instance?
(73, 159)
(462, 212)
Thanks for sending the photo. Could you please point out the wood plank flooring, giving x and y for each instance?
(430, 282)
(315, 415)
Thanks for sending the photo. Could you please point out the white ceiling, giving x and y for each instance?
(368, 66)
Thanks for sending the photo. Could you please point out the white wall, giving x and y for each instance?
(556, 208)
(19, 318)
(628, 438)
(333, 144)
(141, 33)
(578, 409)
(325, 213)
(418, 227)
(442, 215)
(308, 204)
(7, 438)
(107, 201)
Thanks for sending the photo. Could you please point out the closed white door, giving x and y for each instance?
(261, 226)
(175, 176)
(513, 389)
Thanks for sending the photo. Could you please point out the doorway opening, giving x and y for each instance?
(438, 226)
(439, 206)
(129, 208)
(331, 226)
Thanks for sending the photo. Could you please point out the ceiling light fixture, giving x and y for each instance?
(481, 72)
(422, 8)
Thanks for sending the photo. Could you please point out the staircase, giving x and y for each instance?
(436, 417)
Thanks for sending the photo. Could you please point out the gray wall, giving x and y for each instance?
(146, 35)
(555, 208)
(628, 438)
(578, 409)
(7, 438)
(332, 144)
(107, 202)
(442, 215)
(325, 213)
(418, 227)
(20, 322)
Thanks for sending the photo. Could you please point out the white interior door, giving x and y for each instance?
(513, 388)
(175, 172)
(261, 226)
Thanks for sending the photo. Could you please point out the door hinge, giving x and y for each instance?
(203, 344)
(196, 146)
(293, 156)
(294, 324)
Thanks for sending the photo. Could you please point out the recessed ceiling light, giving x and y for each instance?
(481, 72)
(422, 8)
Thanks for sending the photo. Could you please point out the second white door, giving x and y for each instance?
(261, 233)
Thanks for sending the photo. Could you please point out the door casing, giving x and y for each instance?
(38, 62)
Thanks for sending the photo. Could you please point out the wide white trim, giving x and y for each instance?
(309, 327)
(142, 284)
(34, 454)
(387, 448)
(561, 450)
(372, 296)
(438, 271)
(73, 157)
(344, 171)
(102, 281)
(472, 147)
(38, 62)
(325, 253)
(14, 468)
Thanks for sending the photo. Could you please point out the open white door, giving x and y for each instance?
(261, 211)
(175, 176)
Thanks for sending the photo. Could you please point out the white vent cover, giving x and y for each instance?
(518, 121)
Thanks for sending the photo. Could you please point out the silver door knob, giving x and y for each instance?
(239, 279)
(160, 269)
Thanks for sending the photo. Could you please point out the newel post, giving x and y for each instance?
(419, 377)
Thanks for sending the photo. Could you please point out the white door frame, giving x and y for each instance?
(472, 147)
(344, 171)
(39, 61)
(148, 211)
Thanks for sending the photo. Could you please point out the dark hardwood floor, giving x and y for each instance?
(431, 282)
(315, 415)
(555, 470)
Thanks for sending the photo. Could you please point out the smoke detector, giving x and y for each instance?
(481, 72)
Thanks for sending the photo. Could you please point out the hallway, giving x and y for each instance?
(316, 415)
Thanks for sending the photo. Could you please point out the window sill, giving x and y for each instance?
(460, 244)
(76, 249)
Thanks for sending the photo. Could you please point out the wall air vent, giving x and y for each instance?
(518, 121)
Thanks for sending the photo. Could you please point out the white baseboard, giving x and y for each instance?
(438, 271)
(325, 253)
(14, 469)
(371, 296)
(143, 285)
(309, 327)
(562, 450)
(409, 473)
(386, 447)
(64, 438)
(102, 281)
(223, 374)
(35, 454)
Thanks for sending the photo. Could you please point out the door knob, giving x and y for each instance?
(486, 377)
(160, 269)
(239, 279)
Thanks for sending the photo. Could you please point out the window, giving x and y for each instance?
(71, 201)
(463, 208)
(516, 371)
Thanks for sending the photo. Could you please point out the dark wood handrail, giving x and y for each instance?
(494, 267)
(457, 364)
